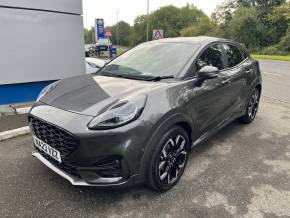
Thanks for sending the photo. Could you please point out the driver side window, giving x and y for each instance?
(212, 56)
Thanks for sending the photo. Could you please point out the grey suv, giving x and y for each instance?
(136, 120)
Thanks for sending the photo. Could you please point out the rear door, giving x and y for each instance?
(237, 80)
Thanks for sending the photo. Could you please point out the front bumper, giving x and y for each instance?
(101, 182)
(125, 144)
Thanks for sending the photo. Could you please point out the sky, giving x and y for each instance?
(129, 9)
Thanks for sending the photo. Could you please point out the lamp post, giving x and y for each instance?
(118, 27)
(147, 20)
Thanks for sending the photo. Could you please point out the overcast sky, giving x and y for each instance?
(129, 9)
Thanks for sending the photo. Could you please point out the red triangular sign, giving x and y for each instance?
(157, 35)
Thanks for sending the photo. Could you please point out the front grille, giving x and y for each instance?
(63, 166)
(54, 136)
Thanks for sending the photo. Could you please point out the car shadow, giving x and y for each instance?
(226, 132)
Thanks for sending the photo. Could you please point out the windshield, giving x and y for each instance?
(103, 41)
(152, 60)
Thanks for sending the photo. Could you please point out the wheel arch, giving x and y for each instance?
(259, 87)
(177, 119)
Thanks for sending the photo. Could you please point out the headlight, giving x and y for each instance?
(119, 114)
(46, 90)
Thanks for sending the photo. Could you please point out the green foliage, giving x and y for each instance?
(169, 18)
(261, 25)
(272, 57)
(264, 4)
(276, 26)
(224, 13)
(204, 27)
(271, 50)
(189, 15)
(284, 10)
(245, 27)
(125, 33)
(89, 35)
(140, 29)
(284, 44)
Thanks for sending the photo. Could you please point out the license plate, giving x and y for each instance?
(47, 149)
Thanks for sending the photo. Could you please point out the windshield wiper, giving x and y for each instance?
(158, 78)
(122, 75)
(137, 77)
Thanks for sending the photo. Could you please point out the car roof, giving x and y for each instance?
(200, 40)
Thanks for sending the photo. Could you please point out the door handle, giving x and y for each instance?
(249, 71)
(226, 81)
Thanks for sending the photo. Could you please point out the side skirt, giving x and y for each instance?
(218, 127)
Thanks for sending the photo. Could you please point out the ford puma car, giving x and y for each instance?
(136, 119)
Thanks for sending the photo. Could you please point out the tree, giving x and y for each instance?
(202, 27)
(245, 27)
(284, 44)
(89, 35)
(139, 28)
(263, 4)
(169, 18)
(224, 12)
(284, 10)
(277, 25)
(125, 33)
(190, 14)
(256, 23)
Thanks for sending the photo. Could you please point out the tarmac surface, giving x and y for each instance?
(10, 122)
(242, 171)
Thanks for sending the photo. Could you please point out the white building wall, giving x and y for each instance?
(38, 45)
(70, 6)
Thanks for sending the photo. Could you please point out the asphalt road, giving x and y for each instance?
(276, 79)
(13, 122)
(243, 171)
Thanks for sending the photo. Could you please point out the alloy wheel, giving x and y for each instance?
(253, 105)
(172, 159)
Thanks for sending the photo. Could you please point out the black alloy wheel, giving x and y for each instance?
(170, 159)
(252, 107)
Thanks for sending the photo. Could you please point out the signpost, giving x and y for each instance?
(99, 29)
(108, 33)
(157, 34)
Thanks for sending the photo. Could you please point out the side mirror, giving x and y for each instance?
(208, 72)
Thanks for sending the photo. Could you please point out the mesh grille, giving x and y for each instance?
(57, 138)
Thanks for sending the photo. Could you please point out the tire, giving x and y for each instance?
(252, 107)
(169, 159)
(91, 54)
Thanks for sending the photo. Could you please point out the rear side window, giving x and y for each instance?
(245, 54)
(212, 56)
(233, 54)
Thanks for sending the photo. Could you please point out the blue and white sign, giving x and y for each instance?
(100, 29)
(113, 52)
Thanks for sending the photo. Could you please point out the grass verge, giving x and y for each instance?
(272, 57)
(119, 52)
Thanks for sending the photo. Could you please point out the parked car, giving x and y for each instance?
(94, 64)
(90, 50)
(138, 118)
(103, 44)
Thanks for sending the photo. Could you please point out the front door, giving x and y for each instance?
(211, 100)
